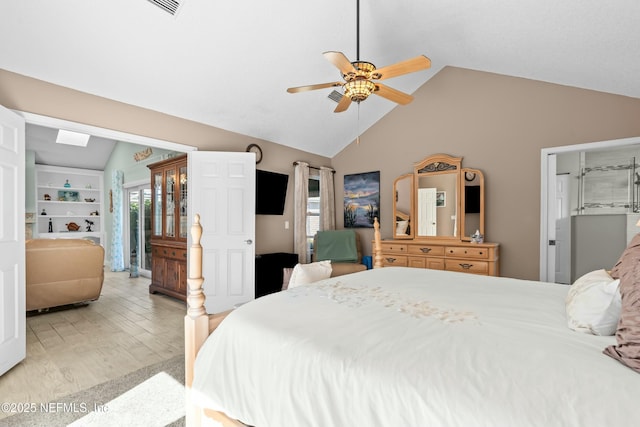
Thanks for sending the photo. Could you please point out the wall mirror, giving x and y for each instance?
(472, 202)
(436, 198)
(440, 199)
(403, 207)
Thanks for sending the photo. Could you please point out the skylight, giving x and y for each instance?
(72, 138)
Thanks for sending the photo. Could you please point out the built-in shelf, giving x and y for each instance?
(81, 202)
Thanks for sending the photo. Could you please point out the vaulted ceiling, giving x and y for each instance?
(228, 63)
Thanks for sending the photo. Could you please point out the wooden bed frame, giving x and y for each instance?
(198, 324)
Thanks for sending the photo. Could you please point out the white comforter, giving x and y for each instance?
(413, 347)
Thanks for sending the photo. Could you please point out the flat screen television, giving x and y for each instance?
(271, 192)
(472, 199)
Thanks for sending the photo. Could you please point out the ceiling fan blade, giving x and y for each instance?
(344, 103)
(405, 67)
(392, 94)
(339, 60)
(313, 87)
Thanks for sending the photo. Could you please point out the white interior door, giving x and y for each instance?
(222, 191)
(551, 213)
(12, 236)
(563, 230)
(427, 208)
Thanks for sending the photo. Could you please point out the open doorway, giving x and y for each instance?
(587, 220)
(132, 179)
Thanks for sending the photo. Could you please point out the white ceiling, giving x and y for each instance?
(227, 63)
(42, 140)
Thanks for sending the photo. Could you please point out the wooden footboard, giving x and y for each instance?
(377, 245)
(198, 324)
(197, 327)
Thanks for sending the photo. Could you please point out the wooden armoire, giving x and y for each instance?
(169, 227)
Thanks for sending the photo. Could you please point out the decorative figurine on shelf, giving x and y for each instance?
(72, 226)
(94, 213)
(43, 212)
(47, 197)
(89, 225)
(50, 226)
(66, 184)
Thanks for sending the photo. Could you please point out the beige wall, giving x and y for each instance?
(497, 124)
(22, 93)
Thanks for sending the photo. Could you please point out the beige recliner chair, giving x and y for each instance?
(62, 271)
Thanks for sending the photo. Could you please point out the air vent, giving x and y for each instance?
(335, 96)
(170, 6)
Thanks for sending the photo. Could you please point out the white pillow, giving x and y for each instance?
(308, 273)
(594, 304)
(401, 227)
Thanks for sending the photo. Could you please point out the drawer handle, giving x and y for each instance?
(390, 259)
(466, 266)
(425, 250)
(173, 253)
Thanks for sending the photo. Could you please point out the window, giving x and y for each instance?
(313, 213)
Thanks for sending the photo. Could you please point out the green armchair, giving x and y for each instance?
(342, 248)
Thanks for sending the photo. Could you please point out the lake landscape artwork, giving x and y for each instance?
(361, 199)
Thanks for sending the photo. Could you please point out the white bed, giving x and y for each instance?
(413, 347)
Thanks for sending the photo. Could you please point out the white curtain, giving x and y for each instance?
(117, 247)
(300, 197)
(327, 200)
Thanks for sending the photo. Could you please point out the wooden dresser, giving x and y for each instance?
(436, 210)
(466, 257)
(169, 227)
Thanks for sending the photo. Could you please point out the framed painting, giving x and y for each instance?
(361, 199)
(441, 199)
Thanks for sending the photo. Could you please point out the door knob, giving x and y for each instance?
(248, 241)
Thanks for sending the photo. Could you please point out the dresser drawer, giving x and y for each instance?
(394, 248)
(467, 252)
(392, 260)
(426, 250)
(467, 266)
(425, 262)
(168, 252)
(417, 262)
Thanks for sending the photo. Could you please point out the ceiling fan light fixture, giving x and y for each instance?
(358, 76)
(359, 90)
(363, 70)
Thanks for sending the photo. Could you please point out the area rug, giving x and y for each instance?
(151, 396)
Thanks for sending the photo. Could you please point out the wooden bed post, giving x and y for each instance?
(377, 246)
(196, 322)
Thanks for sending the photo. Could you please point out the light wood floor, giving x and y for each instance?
(71, 350)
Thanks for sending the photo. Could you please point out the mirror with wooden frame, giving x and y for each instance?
(436, 199)
(439, 200)
(403, 207)
(472, 202)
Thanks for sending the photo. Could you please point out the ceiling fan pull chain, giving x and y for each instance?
(358, 125)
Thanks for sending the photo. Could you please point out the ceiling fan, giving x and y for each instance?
(361, 78)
